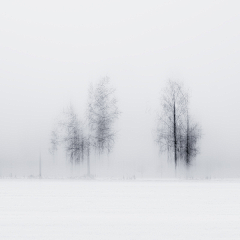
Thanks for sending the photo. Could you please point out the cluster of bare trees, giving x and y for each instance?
(176, 132)
(96, 132)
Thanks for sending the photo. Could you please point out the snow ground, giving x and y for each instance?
(77, 209)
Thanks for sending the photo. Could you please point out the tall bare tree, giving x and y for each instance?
(102, 113)
(171, 120)
(176, 133)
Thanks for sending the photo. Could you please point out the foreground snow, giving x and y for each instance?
(74, 209)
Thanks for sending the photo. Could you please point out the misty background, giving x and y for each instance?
(50, 52)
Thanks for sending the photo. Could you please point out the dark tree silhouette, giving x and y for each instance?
(191, 137)
(175, 132)
(171, 120)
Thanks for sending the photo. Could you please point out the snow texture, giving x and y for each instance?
(77, 209)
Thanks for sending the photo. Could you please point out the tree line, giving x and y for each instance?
(176, 133)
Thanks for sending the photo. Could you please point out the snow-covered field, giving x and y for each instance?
(77, 209)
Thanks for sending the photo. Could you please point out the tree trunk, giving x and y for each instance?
(88, 163)
(187, 142)
(175, 134)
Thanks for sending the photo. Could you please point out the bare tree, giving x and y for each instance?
(102, 113)
(69, 132)
(171, 121)
(191, 138)
(176, 133)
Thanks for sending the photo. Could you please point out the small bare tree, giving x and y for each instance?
(69, 132)
(191, 138)
(102, 113)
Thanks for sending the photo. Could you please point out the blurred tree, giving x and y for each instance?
(98, 130)
(175, 133)
(192, 134)
(69, 132)
(101, 115)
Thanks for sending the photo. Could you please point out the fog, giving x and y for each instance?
(51, 51)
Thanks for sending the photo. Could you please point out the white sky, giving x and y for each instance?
(51, 50)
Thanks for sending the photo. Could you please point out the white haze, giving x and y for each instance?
(50, 51)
